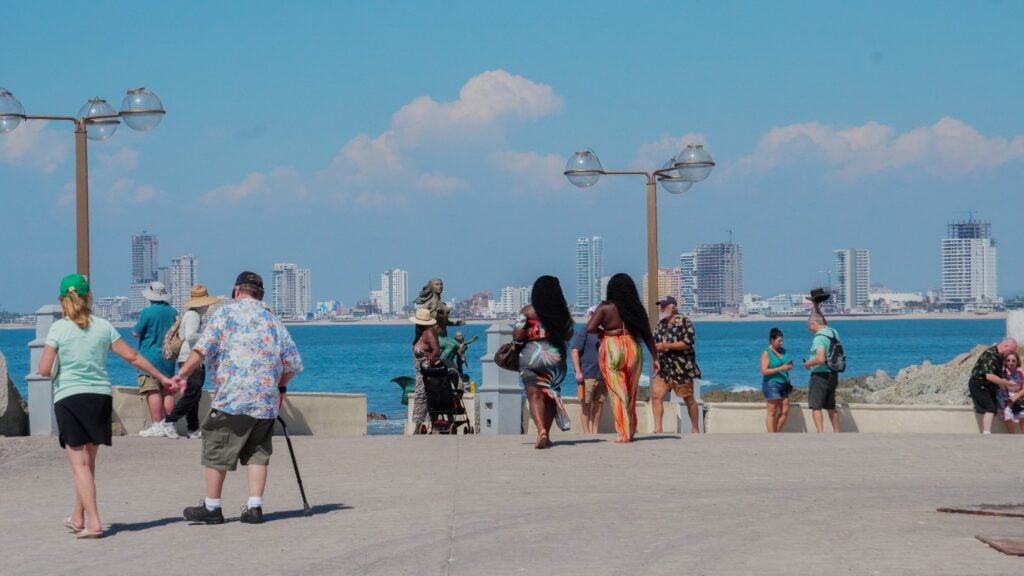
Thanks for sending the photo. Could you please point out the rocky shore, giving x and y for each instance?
(923, 384)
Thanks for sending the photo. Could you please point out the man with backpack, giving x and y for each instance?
(154, 322)
(178, 345)
(821, 392)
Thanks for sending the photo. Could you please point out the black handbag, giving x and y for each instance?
(507, 356)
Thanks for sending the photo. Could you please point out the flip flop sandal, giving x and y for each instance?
(71, 525)
(88, 535)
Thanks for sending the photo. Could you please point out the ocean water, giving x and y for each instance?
(364, 359)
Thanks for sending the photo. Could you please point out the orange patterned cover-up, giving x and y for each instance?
(621, 362)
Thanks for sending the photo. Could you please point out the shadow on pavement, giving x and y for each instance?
(575, 442)
(117, 528)
(639, 438)
(313, 511)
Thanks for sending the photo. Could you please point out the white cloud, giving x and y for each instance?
(531, 171)
(440, 183)
(381, 169)
(31, 145)
(125, 159)
(949, 147)
(654, 155)
(127, 191)
(282, 182)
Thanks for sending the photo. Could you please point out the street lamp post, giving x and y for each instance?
(141, 110)
(677, 176)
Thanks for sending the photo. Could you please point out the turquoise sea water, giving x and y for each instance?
(363, 359)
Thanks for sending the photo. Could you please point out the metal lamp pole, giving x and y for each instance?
(141, 110)
(678, 175)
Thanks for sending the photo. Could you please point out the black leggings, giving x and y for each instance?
(188, 406)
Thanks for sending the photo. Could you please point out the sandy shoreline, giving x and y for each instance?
(579, 319)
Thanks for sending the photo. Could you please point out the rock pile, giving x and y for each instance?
(13, 410)
(927, 383)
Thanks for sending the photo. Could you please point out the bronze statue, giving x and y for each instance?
(430, 298)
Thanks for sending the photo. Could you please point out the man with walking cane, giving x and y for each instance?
(251, 358)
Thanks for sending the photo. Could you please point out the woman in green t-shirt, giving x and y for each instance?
(75, 358)
(775, 367)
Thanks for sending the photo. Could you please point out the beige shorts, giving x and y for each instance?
(592, 390)
(148, 384)
(682, 389)
(230, 438)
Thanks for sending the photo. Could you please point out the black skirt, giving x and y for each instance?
(84, 419)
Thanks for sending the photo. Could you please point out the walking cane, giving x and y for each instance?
(306, 510)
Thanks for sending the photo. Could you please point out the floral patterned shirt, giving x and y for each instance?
(989, 362)
(247, 349)
(677, 366)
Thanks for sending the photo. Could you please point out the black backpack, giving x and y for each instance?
(835, 357)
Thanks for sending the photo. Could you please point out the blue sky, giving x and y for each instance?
(351, 137)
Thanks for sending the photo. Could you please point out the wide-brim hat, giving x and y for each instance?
(156, 292)
(199, 297)
(423, 318)
(819, 295)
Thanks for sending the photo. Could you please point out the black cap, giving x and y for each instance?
(249, 279)
(668, 300)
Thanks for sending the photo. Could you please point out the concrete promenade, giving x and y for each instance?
(471, 505)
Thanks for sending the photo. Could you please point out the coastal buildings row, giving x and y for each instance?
(708, 280)
(178, 278)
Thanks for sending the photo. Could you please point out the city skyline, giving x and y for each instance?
(829, 128)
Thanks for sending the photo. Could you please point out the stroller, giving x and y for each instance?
(445, 386)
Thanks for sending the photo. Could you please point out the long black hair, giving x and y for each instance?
(549, 304)
(622, 292)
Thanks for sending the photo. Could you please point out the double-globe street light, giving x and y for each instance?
(677, 176)
(141, 110)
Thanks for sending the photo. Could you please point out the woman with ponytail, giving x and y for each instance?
(75, 359)
(622, 324)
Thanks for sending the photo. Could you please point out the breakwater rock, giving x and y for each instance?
(927, 383)
(13, 410)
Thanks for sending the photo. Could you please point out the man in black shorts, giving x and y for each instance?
(986, 377)
(821, 391)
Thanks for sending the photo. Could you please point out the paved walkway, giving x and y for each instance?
(717, 504)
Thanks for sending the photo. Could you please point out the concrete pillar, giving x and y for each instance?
(40, 390)
(500, 397)
(1015, 326)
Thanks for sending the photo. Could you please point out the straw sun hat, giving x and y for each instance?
(199, 297)
(422, 318)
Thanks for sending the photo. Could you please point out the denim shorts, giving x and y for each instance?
(775, 390)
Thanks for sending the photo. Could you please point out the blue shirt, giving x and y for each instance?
(587, 344)
(821, 342)
(153, 323)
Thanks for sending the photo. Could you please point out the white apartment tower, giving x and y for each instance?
(718, 275)
(291, 286)
(145, 262)
(184, 274)
(589, 270)
(969, 264)
(853, 278)
(394, 288)
(513, 298)
(687, 282)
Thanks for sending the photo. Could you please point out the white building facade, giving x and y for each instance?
(291, 291)
(969, 264)
(589, 270)
(184, 274)
(853, 279)
(394, 288)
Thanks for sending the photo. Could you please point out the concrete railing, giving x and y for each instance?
(319, 414)
(748, 417)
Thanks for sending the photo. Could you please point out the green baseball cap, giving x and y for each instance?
(75, 282)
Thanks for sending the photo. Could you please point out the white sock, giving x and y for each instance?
(213, 504)
(255, 502)
(986, 432)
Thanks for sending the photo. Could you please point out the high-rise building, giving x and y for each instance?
(853, 279)
(668, 285)
(718, 275)
(394, 287)
(969, 264)
(513, 298)
(687, 281)
(291, 286)
(589, 270)
(184, 274)
(145, 257)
